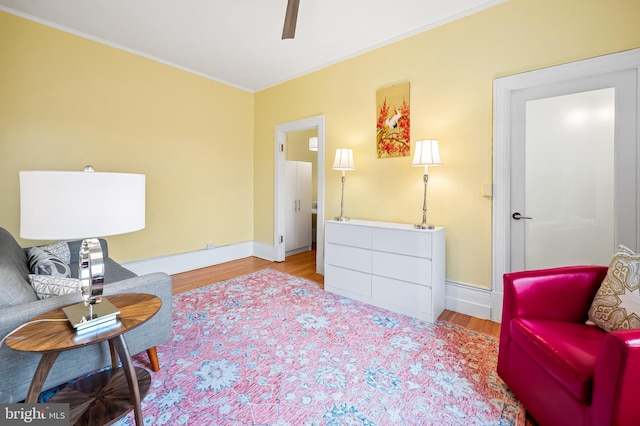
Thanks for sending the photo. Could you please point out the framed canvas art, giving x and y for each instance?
(392, 121)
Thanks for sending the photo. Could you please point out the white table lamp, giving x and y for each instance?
(61, 205)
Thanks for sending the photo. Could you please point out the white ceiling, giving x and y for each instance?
(238, 42)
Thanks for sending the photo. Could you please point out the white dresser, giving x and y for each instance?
(391, 265)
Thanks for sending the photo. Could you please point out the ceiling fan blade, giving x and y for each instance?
(289, 30)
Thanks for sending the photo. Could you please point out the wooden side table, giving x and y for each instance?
(100, 398)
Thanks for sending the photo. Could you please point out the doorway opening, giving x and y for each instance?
(297, 134)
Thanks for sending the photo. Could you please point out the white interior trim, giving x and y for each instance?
(177, 263)
(468, 299)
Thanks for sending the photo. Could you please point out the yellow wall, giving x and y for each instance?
(451, 70)
(66, 102)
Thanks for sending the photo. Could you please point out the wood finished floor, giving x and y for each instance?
(304, 265)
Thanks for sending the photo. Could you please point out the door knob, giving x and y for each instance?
(518, 216)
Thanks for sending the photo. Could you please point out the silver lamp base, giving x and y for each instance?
(423, 226)
(89, 318)
(341, 219)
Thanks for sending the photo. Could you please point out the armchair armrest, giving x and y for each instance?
(560, 294)
(616, 379)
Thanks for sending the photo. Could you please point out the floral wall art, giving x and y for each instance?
(392, 124)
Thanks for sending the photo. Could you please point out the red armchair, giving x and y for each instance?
(564, 371)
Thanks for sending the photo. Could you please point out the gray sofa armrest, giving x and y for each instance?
(74, 363)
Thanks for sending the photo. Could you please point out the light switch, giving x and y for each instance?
(487, 189)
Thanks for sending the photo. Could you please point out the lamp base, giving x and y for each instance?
(423, 226)
(341, 219)
(88, 318)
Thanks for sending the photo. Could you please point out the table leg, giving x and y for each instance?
(120, 345)
(114, 356)
(39, 377)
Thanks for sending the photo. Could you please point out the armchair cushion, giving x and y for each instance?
(567, 351)
(616, 305)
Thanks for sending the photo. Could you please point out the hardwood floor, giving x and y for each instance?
(304, 265)
(301, 265)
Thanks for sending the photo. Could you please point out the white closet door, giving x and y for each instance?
(298, 232)
(291, 205)
(304, 228)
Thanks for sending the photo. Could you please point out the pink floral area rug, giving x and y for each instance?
(273, 349)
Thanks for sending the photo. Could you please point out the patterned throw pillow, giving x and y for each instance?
(617, 302)
(47, 286)
(44, 263)
(59, 249)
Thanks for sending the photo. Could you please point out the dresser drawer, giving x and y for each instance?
(355, 236)
(406, 268)
(348, 257)
(410, 243)
(407, 298)
(347, 282)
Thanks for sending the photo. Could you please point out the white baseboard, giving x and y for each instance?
(264, 251)
(463, 298)
(176, 263)
(468, 299)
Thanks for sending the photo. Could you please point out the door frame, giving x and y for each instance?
(503, 90)
(316, 122)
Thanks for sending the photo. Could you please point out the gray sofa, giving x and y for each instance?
(19, 304)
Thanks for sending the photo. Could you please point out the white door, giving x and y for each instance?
(572, 192)
(567, 164)
(318, 123)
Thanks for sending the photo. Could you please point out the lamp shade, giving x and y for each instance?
(76, 205)
(344, 159)
(426, 153)
(313, 143)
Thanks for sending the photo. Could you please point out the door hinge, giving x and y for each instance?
(281, 239)
(281, 147)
